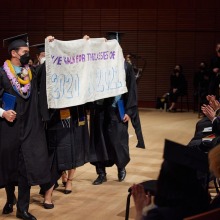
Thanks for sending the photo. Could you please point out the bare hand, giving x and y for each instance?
(210, 98)
(140, 199)
(208, 111)
(126, 118)
(9, 115)
(50, 38)
(214, 104)
(86, 37)
(216, 70)
(174, 90)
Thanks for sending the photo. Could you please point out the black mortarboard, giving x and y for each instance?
(40, 47)
(186, 156)
(16, 42)
(114, 35)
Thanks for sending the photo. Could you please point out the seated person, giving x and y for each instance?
(210, 111)
(201, 83)
(179, 194)
(177, 86)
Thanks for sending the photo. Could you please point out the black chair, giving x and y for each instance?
(184, 94)
(181, 102)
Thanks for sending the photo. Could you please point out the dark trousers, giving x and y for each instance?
(23, 188)
(100, 168)
(136, 123)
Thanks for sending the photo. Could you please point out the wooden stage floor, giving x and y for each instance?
(107, 201)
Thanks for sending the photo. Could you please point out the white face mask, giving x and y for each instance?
(42, 60)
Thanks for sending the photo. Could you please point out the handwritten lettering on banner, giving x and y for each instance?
(81, 71)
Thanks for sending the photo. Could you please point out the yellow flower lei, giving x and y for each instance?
(21, 81)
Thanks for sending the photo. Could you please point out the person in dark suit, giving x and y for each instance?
(215, 73)
(176, 196)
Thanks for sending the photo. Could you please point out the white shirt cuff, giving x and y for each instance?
(146, 209)
(1, 112)
(213, 119)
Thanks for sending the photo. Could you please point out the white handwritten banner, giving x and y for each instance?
(81, 71)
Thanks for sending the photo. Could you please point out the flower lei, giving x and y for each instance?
(21, 86)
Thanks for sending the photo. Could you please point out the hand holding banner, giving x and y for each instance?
(81, 71)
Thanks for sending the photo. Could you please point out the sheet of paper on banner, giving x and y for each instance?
(81, 71)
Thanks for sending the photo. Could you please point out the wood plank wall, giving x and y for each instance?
(162, 32)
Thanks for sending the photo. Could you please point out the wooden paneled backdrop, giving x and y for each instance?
(161, 32)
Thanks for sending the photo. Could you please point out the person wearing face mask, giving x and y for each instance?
(177, 86)
(23, 149)
(40, 55)
(201, 83)
(215, 73)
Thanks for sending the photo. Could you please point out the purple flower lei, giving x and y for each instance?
(23, 91)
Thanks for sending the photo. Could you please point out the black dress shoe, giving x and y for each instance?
(8, 208)
(121, 174)
(25, 215)
(140, 145)
(48, 206)
(100, 179)
(66, 191)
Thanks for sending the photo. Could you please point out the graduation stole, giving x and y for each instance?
(21, 86)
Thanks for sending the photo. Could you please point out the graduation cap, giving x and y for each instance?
(186, 156)
(40, 47)
(114, 35)
(16, 42)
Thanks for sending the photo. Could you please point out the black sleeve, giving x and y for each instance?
(1, 85)
(41, 79)
(216, 126)
(131, 96)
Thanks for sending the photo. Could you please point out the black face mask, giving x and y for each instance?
(176, 71)
(24, 59)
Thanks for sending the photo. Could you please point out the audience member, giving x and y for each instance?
(177, 86)
(177, 197)
(215, 73)
(201, 83)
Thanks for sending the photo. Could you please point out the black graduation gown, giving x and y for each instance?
(68, 146)
(179, 83)
(26, 134)
(108, 134)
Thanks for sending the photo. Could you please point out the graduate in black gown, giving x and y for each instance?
(135, 118)
(67, 136)
(109, 134)
(23, 148)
